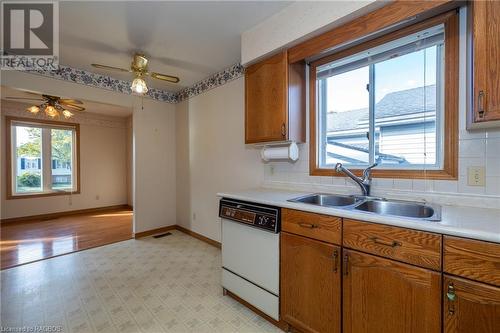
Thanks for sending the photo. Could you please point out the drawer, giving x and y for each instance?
(472, 259)
(411, 246)
(321, 227)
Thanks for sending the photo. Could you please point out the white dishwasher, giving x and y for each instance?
(250, 253)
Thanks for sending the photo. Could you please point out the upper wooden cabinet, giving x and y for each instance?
(275, 100)
(486, 60)
(382, 295)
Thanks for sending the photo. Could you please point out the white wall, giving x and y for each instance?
(297, 22)
(212, 156)
(103, 171)
(154, 165)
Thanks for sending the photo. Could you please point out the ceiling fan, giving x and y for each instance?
(53, 106)
(139, 67)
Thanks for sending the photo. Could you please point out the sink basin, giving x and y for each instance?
(331, 200)
(398, 208)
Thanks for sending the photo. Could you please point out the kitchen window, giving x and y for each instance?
(43, 157)
(390, 101)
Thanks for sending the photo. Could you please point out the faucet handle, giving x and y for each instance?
(367, 171)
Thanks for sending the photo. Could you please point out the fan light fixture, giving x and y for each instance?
(67, 114)
(52, 106)
(139, 67)
(139, 86)
(51, 111)
(33, 109)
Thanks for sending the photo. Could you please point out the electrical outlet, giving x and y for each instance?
(476, 176)
(271, 169)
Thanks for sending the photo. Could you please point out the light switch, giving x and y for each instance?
(476, 176)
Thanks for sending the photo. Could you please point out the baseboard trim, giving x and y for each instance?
(181, 229)
(51, 216)
(199, 236)
(154, 231)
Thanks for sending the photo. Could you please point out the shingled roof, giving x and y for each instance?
(398, 103)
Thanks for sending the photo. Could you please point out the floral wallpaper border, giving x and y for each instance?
(87, 78)
(218, 79)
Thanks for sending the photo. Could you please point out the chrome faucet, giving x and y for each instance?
(363, 182)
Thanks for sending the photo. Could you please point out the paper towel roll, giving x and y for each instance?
(288, 152)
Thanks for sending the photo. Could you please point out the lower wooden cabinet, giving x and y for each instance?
(382, 295)
(310, 284)
(470, 306)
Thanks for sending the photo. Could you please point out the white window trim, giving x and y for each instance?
(46, 158)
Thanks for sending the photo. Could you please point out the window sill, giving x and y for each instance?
(40, 195)
(392, 173)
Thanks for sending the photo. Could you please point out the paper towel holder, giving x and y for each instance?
(285, 151)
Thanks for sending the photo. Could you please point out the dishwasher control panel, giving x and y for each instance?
(259, 216)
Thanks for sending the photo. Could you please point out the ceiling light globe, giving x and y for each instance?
(33, 109)
(139, 86)
(67, 114)
(51, 111)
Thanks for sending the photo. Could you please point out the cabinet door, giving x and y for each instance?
(310, 284)
(382, 295)
(486, 60)
(470, 306)
(266, 110)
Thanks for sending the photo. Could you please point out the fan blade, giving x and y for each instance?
(70, 101)
(73, 106)
(111, 68)
(26, 98)
(169, 78)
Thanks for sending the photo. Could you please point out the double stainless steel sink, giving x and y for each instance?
(374, 205)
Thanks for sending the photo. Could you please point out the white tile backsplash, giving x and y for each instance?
(493, 167)
(493, 147)
(472, 148)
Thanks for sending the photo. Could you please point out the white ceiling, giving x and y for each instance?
(183, 38)
(90, 106)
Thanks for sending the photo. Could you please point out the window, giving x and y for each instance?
(43, 157)
(391, 101)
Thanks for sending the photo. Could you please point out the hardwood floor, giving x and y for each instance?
(24, 242)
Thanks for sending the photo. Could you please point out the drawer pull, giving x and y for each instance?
(335, 260)
(451, 295)
(308, 225)
(386, 243)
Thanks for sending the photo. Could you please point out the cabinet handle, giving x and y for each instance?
(308, 225)
(386, 243)
(346, 263)
(451, 295)
(335, 260)
(480, 104)
(283, 130)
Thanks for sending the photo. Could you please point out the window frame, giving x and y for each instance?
(9, 160)
(449, 170)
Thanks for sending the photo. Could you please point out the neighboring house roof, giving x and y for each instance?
(395, 104)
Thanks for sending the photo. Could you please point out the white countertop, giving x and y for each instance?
(462, 221)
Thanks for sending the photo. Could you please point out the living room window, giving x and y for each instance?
(43, 157)
(390, 101)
